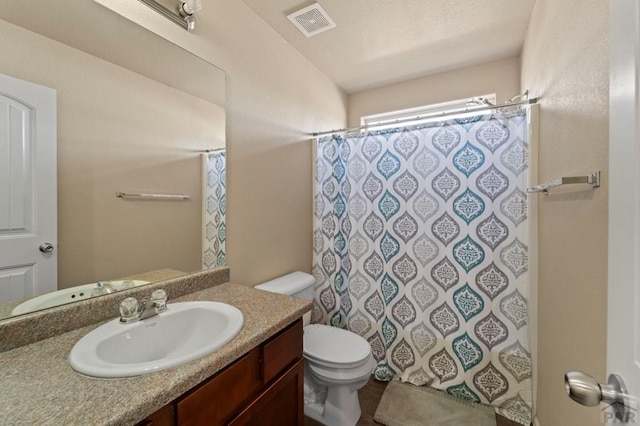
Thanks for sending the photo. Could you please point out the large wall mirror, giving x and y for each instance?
(135, 113)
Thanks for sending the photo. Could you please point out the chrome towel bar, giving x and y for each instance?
(593, 179)
(152, 196)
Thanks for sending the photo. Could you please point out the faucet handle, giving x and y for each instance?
(102, 287)
(159, 294)
(159, 298)
(128, 309)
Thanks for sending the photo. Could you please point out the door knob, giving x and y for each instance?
(46, 247)
(585, 390)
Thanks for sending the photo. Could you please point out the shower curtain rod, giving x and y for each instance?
(430, 116)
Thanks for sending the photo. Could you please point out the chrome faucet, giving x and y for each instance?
(132, 311)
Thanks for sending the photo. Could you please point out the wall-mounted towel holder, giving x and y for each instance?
(592, 179)
(143, 196)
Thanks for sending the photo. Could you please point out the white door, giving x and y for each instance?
(28, 210)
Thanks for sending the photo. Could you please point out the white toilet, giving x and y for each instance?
(338, 362)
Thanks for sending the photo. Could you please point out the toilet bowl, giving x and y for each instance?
(338, 362)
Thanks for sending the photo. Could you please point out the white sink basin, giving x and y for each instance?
(184, 332)
(67, 295)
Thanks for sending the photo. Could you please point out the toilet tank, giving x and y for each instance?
(296, 284)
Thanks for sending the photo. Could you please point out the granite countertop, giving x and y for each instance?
(39, 386)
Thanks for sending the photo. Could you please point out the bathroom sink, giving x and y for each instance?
(182, 333)
(68, 295)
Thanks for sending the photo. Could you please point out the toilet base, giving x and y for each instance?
(346, 413)
(333, 403)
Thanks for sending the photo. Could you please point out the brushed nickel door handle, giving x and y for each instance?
(585, 390)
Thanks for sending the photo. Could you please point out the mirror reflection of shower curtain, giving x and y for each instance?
(421, 247)
(214, 199)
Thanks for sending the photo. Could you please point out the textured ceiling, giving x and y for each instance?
(378, 42)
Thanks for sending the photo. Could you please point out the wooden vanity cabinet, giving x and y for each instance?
(264, 387)
(274, 405)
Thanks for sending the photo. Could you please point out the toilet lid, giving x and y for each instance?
(334, 345)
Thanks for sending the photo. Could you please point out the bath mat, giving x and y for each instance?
(404, 404)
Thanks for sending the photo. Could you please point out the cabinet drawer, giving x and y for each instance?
(282, 350)
(223, 395)
(278, 405)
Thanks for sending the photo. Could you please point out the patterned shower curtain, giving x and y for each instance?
(420, 246)
(214, 200)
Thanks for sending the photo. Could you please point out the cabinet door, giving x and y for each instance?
(218, 399)
(280, 404)
(282, 351)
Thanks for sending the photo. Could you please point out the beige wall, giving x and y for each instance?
(118, 131)
(565, 62)
(275, 97)
(499, 77)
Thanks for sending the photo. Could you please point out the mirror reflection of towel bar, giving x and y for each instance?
(593, 179)
(152, 196)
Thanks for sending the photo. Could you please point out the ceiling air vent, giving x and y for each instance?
(311, 20)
